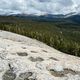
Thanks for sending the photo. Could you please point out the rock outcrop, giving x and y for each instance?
(22, 58)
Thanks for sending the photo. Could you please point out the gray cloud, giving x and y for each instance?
(38, 6)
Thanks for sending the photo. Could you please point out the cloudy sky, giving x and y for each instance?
(39, 6)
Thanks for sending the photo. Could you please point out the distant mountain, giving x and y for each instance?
(48, 17)
(75, 18)
(70, 18)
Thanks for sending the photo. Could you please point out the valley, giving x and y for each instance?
(63, 35)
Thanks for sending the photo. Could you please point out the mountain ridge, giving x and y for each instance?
(49, 17)
(71, 17)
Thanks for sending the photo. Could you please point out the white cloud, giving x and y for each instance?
(39, 6)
